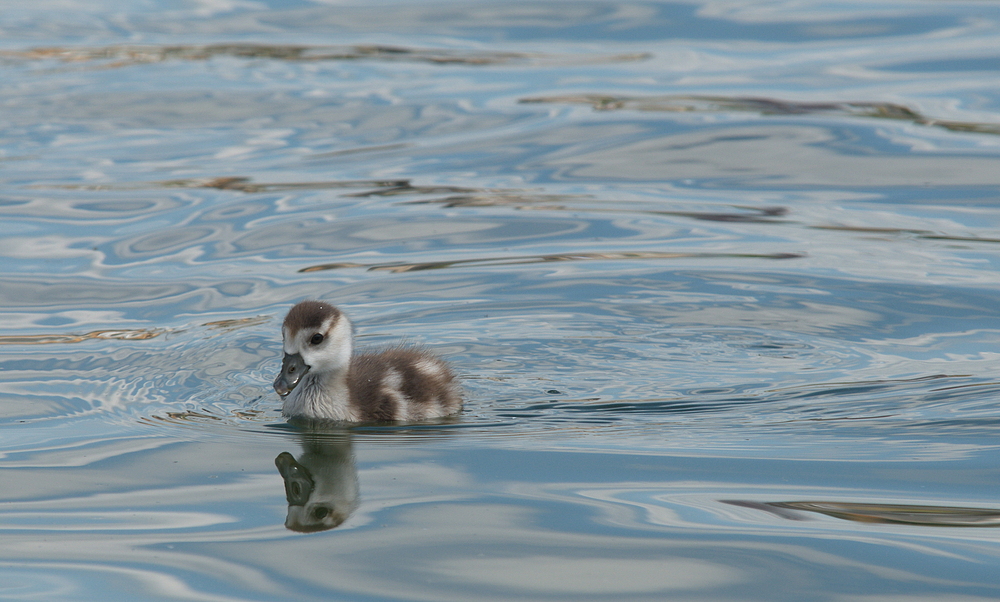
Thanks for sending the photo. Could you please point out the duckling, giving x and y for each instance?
(321, 378)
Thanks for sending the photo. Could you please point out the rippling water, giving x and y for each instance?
(720, 280)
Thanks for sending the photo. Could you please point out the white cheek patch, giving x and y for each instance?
(333, 352)
(339, 331)
(339, 338)
(288, 343)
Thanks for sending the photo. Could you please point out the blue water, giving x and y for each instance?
(719, 279)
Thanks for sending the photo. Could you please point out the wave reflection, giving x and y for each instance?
(605, 256)
(130, 55)
(765, 106)
(899, 514)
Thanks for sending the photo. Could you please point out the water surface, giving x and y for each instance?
(719, 280)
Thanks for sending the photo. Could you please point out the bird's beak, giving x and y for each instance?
(298, 482)
(293, 368)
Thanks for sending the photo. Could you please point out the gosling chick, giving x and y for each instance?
(321, 378)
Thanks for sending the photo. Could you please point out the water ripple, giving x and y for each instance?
(46, 339)
(130, 55)
(602, 256)
(898, 514)
(766, 106)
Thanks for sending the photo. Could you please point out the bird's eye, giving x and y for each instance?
(291, 369)
(316, 339)
(320, 513)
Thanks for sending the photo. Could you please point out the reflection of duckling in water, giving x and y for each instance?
(320, 378)
(321, 487)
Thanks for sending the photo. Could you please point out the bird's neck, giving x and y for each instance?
(321, 395)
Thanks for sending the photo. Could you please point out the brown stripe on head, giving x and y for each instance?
(309, 315)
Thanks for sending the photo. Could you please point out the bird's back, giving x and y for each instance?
(402, 384)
